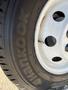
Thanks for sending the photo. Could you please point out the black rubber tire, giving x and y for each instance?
(17, 55)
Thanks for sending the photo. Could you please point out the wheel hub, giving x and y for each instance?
(51, 37)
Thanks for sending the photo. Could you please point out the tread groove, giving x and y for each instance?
(6, 69)
(2, 64)
(1, 57)
(1, 48)
(1, 10)
(9, 75)
(12, 79)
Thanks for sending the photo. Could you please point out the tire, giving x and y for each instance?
(17, 54)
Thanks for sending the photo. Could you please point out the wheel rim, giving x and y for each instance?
(51, 37)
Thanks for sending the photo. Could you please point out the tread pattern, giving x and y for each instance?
(5, 57)
(3, 60)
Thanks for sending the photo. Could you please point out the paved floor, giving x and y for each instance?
(5, 84)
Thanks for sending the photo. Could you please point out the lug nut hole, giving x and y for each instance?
(67, 34)
(58, 16)
(56, 59)
(66, 48)
(50, 41)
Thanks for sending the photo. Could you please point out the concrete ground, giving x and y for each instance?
(5, 84)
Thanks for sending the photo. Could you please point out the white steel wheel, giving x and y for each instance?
(51, 37)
